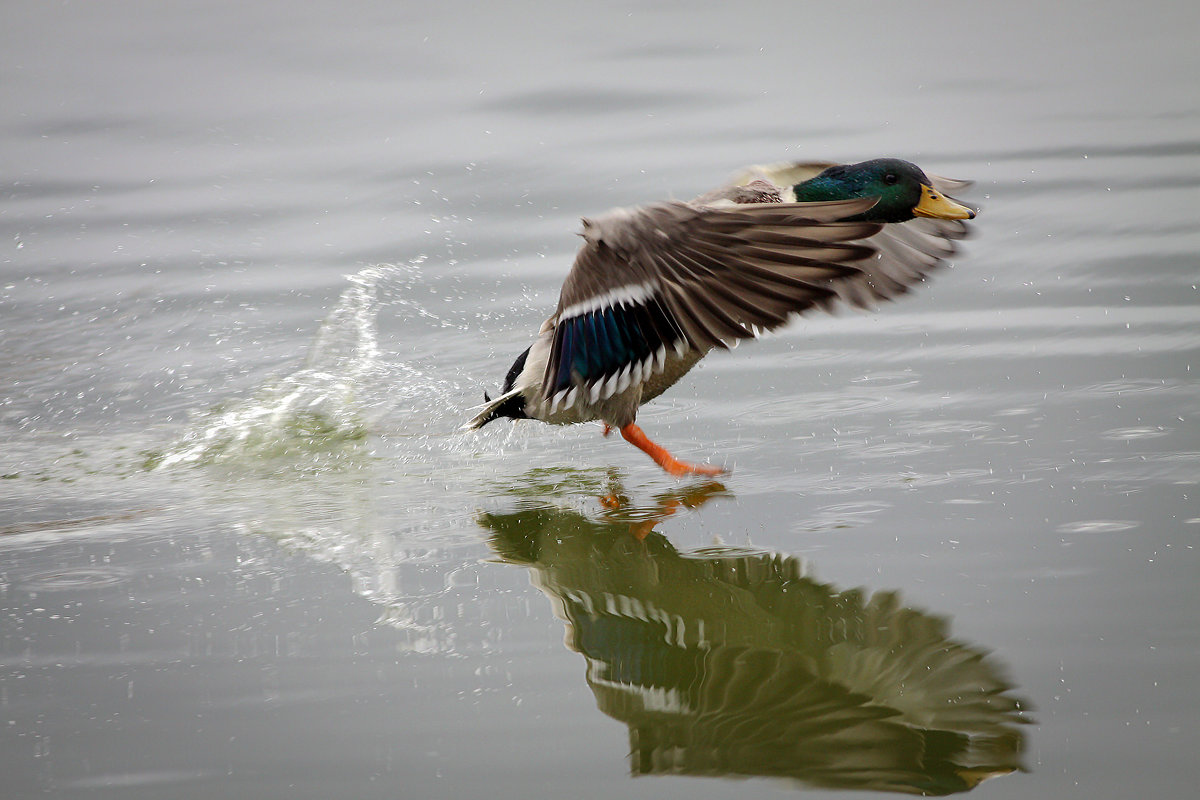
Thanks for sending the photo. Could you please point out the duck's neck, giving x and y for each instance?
(820, 189)
(837, 183)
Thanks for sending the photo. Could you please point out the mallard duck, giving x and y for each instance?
(653, 289)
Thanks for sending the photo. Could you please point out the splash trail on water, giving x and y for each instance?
(324, 410)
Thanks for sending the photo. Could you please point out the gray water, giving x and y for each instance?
(257, 262)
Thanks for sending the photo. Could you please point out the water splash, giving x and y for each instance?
(322, 411)
(354, 458)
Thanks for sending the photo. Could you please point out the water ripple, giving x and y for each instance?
(72, 580)
(1129, 434)
(1098, 526)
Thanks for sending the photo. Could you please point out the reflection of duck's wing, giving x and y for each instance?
(763, 713)
(898, 656)
(710, 709)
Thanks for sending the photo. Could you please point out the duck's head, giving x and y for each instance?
(904, 191)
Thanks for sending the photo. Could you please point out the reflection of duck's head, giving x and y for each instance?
(733, 662)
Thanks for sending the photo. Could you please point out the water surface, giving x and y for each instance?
(259, 262)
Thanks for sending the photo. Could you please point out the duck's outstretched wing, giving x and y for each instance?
(674, 277)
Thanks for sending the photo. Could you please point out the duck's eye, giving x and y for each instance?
(891, 179)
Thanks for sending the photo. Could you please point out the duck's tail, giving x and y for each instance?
(508, 404)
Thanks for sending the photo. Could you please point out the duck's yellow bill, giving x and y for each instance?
(936, 205)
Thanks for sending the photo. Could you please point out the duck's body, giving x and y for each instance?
(655, 288)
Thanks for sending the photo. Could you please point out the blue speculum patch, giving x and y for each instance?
(598, 344)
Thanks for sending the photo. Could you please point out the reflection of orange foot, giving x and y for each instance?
(611, 502)
(643, 529)
(701, 494)
(693, 498)
(641, 521)
(634, 435)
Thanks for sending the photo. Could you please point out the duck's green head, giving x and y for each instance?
(904, 191)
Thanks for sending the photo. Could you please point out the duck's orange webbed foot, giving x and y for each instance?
(607, 430)
(634, 435)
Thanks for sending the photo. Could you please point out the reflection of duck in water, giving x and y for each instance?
(732, 662)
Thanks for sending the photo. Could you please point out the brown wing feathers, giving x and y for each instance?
(674, 276)
(671, 275)
(738, 271)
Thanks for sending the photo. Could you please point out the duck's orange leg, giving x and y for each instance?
(634, 435)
